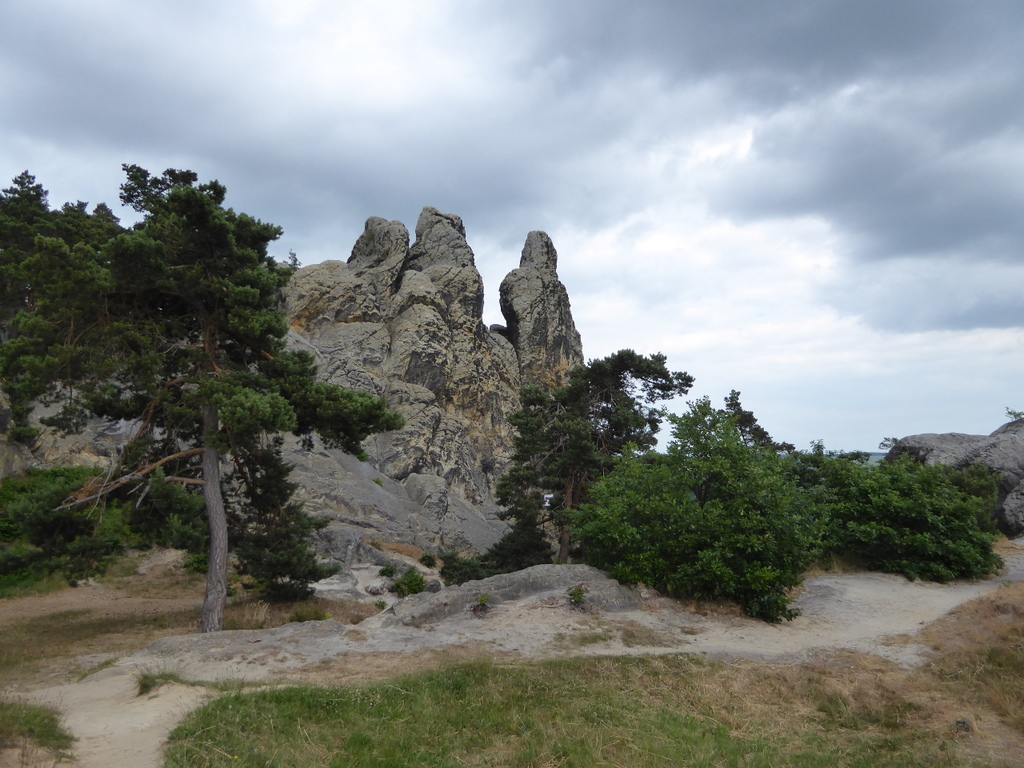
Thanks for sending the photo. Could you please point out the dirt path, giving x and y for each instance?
(864, 612)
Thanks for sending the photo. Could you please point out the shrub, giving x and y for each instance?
(47, 537)
(458, 570)
(916, 520)
(713, 519)
(428, 560)
(411, 583)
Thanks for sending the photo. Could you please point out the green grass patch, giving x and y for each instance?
(583, 713)
(41, 726)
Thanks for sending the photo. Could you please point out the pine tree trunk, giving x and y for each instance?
(217, 571)
(564, 541)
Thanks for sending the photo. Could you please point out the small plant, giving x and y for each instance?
(382, 604)
(378, 481)
(387, 571)
(428, 560)
(483, 604)
(256, 615)
(411, 583)
(147, 681)
(578, 596)
(376, 544)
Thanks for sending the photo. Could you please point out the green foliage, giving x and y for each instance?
(714, 518)
(45, 535)
(578, 596)
(570, 436)
(458, 570)
(411, 583)
(175, 324)
(928, 522)
(428, 560)
(170, 516)
(269, 532)
(387, 571)
(752, 433)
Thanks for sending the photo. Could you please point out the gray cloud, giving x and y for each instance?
(896, 126)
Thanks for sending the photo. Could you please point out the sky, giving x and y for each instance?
(815, 202)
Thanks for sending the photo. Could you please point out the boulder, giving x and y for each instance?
(602, 593)
(1002, 452)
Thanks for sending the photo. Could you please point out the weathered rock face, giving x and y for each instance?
(406, 323)
(1002, 452)
(536, 308)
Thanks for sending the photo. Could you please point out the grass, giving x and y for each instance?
(26, 645)
(28, 728)
(257, 614)
(983, 655)
(636, 712)
(31, 584)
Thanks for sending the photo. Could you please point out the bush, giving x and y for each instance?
(924, 522)
(411, 583)
(713, 519)
(428, 560)
(458, 570)
(48, 538)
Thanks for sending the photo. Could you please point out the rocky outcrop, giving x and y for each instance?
(406, 322)
(552, 581)
(535, 305)
(1002, 452)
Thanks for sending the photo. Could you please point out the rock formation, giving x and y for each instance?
(406, 322)
(1002, 452)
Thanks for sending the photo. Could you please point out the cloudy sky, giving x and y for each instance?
(819, 203)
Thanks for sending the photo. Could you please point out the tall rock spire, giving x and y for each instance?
(536, 308)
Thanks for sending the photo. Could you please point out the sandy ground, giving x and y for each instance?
(864, 612)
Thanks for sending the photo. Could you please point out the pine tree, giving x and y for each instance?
(570, 436)
(175, 326)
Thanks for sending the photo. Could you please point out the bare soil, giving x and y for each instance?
(844, 615)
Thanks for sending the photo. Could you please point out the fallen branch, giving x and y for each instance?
(94, 491)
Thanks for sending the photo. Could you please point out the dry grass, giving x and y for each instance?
(257, 614)
(979, 652)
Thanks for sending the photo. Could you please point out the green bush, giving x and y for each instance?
(171, 516)
(713, 519)
(46, 537)
(924, 522)
(428, 560)
(458, 570)
(411, 583)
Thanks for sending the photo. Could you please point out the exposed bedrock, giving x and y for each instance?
(406, 322)
(1002, 452)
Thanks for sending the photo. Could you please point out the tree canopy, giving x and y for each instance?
(570, 436)
(174, 325)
